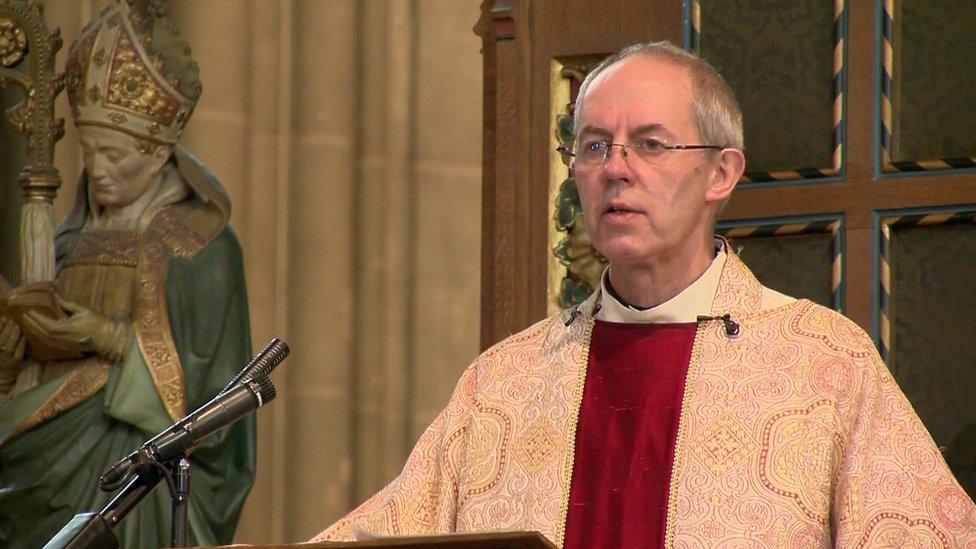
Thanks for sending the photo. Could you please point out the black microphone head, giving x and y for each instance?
(268, 359)
(263, 388)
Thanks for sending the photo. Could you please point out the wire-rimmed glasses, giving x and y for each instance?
(593, 152)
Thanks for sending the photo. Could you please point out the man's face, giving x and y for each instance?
(637, 211)
(118, 172)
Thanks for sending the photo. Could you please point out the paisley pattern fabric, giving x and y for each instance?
(792, 434)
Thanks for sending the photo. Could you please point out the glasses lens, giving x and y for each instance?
(649, 150)
(591, 152)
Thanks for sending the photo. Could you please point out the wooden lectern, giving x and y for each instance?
(485, 540)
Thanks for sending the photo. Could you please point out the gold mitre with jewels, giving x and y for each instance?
(131, 72)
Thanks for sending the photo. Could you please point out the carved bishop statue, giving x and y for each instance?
(147, 315)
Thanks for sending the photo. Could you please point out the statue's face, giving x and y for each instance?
(118, 172)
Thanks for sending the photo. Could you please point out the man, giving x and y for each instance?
(682, 404)
(150, 281)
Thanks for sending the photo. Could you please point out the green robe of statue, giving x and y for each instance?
(177, 274)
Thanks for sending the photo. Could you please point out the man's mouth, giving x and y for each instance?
(617, 209)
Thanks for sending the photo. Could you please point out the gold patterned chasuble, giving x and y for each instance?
(792, 434)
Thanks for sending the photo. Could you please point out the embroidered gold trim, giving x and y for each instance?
(178, 237)
(184, 242)
(106, 248)
(150, 318)
(573, 422)
(83, 383)
(694, 367)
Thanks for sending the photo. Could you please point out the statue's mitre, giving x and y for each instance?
(129, 71)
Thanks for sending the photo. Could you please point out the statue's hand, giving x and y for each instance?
(84, 330)
(12, 345)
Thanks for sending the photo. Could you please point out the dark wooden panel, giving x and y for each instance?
(932, 346)
(506, 208)
(858, 199)
(544, 30)
(934, 80)
(584, 27)
(852, 195)
(796, 265)
(780, 64)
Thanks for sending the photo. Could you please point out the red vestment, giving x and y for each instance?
(626, 434)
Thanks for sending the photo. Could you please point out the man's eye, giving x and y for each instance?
(593, 147)
(652, 145)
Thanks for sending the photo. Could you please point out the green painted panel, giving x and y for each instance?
(778, 58)
(933, 353)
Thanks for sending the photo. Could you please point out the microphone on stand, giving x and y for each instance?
(163, 457)
(250, 389)
(263, 363)
(223, 411)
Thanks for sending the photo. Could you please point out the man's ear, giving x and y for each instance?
(161, 155)
(731, 163)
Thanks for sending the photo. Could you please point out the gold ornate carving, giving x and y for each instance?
(22, 29)
(131, 87)
(575, 266)
(139, 76)
(118, 118)
(13, 43)
(583, 261)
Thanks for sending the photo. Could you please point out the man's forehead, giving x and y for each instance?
(641, 129)
(657, 86)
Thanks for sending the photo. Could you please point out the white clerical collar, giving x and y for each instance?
(694, 300)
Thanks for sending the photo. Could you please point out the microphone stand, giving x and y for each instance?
(164, 457)
(95, 530)
(181, 500)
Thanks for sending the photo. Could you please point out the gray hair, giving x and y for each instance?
(716, 112)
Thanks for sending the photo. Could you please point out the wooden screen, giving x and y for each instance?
(860, 192)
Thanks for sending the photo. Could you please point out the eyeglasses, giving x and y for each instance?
(593, 152)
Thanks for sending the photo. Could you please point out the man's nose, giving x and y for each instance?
(616, 166)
